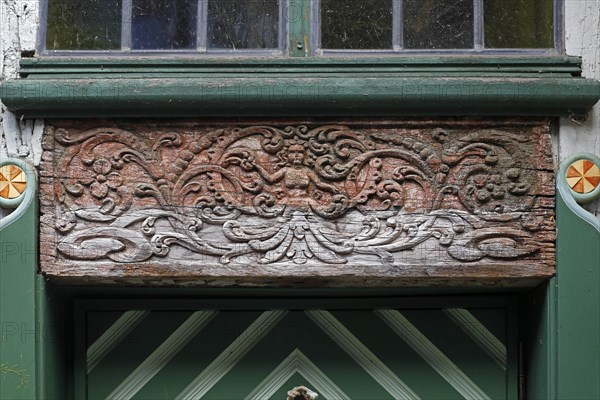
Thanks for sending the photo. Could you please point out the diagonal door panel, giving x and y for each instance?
(113, 336)
(460, 348)
(362, 355)
(480, 334)
(296, 330)
(231, 356)
(397, 355)
(161, 355)
(136, 347)
(297, 362)
(198, 354)
(379, 354)
(434, 357)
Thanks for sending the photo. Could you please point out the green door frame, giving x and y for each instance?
(575, 294)
(19, 339)
(561, 318)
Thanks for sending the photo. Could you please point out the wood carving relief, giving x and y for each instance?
(379, 202)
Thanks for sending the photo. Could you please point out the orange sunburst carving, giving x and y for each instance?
(583, 176)
(13, 181)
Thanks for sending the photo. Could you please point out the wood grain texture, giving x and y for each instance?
(298, 202)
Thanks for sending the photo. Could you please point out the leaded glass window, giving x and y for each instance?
(337, 26)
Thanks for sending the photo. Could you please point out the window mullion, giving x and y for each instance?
(315, 26)
(202, 26)
(43, 29)
(559, 44)
(398, 28)
(478, 24)
(126, 24)
(283, 26)
(299, 28)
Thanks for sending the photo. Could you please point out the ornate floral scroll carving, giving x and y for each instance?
(331, 194)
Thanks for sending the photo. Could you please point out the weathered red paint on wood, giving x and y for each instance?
(323, 203)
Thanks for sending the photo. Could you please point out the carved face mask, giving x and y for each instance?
(296, 154)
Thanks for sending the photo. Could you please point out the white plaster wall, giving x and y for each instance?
(582, 38)
(18, 30)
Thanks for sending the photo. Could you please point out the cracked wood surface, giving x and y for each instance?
(298, 202)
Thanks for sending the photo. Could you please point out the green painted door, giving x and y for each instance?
(338, 352)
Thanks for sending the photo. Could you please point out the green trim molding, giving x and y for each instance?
(299, 86)
(562, 317)
(576, 303)
(20, 335)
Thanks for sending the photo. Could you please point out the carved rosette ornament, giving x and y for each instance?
(372, 201)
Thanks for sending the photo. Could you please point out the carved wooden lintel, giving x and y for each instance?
(354, 203)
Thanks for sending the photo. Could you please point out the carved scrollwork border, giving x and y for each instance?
(301, 196)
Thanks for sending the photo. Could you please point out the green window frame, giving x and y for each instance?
(302, 25)
(368, 84)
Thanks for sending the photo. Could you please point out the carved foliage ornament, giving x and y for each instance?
(297, 194)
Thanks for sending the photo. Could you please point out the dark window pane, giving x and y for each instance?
(242, 24)
(160, 24)
(84, 25)
(438, 24)
(356, 24)
(518, 24)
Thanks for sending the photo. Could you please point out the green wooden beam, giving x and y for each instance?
(294, 86)
(299, 96)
